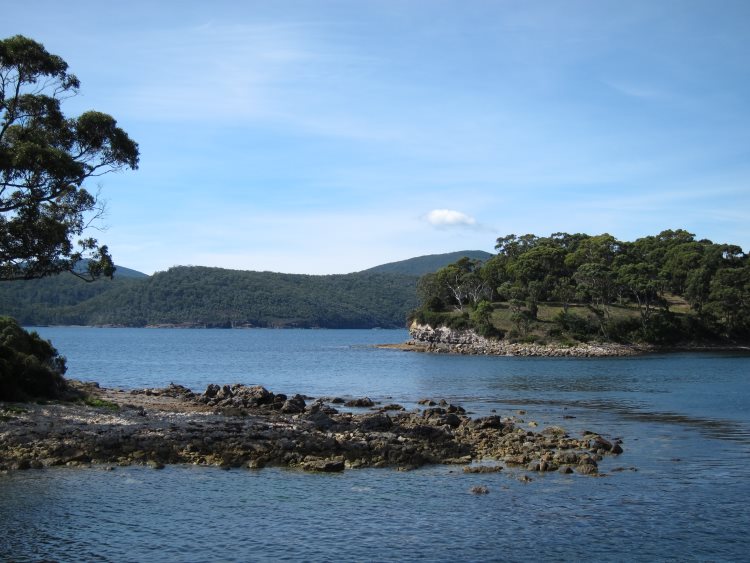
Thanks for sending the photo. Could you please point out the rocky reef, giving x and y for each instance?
(250, 426)
(424, 338)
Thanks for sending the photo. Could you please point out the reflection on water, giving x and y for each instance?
(580, 383)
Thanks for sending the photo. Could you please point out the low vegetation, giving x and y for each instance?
(30, 367)
(98, 402)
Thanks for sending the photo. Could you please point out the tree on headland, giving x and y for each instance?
(464, 282)
(729, 299)
(45, 159)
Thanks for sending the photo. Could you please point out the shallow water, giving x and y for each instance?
(684, 420)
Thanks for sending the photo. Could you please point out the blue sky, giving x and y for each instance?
(331, 136)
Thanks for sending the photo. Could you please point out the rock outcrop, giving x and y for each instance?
(249, 426)
(425, 338)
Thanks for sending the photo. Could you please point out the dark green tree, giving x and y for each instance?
(599, 249)
(45, 159)
(596, 283)
(679, 262)
(513, 246)
(536, 270)
(432, 294)
(729, 300)
(481, 318)
(29, 366)
(640, 281)
(564, 290)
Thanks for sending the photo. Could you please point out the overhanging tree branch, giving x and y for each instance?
(45, 159)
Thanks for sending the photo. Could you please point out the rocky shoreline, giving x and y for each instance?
(249, 426)
(444, 340)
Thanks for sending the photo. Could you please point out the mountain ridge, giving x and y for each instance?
(421, 265)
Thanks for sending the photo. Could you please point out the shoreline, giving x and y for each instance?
(199, 327)
(250, 427)
(443, 340)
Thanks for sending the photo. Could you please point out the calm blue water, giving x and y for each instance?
(684, 419)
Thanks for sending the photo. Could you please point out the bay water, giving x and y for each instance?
(679, 491)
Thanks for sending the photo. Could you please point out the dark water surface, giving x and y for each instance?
(684, 420)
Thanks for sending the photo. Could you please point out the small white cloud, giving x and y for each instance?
(450, 218)
(636, 90)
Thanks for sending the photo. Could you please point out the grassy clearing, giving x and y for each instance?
(622, 322)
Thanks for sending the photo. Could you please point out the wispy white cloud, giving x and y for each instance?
(295, 75)
(640, 90)
(446, 218)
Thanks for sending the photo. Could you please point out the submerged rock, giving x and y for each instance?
(479, 490)
(586, 469)
(483, 469)
(324, 465)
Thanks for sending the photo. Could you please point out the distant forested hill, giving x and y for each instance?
(59, 299)
(426, 264)
(216, 297)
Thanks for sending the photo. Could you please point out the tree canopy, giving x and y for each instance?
(663, 289)
(45, 159)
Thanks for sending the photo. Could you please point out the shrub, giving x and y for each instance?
(100, 403)
(29, 366)
(481, 320)
(521, 321)
(626, 330)
(436, 319)
(490, 331)
(667, 328)
(578, 327)
(459, 322)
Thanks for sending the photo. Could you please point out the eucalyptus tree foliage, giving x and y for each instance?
(45, 160)
(464, 282)
(647, 275)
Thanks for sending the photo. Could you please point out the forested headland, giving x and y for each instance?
(666, 289)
